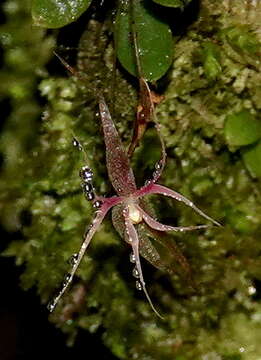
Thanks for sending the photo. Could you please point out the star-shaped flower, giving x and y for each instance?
(128, 209)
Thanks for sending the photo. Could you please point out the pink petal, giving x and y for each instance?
(100, 214)
(148, 251)
(152, 188)
(117, 161)
(134, 241)
(161, 227)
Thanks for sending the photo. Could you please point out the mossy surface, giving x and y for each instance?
(216, 73)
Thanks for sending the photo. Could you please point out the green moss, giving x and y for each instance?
(221, 318)
(242, 129)
(252, 159)
(211, 60)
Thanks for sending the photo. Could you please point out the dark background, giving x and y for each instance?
(25, 332)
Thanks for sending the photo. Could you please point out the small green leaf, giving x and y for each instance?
(211, 57)
(173, 3)
(241, 39)
(252, 159)
(155, 44)
(242, 128)
(57, 13)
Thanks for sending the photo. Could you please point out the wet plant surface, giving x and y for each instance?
(214, 80)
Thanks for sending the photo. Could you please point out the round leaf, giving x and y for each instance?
(252, 160)
(154, 40)
(173, 3)
(242, 129)
(57, 13)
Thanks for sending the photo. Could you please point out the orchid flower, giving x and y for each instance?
(128, 209)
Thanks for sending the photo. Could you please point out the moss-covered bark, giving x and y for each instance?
(216, 72)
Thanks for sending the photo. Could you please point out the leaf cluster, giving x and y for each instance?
(147, 19)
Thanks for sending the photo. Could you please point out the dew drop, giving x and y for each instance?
(66, 279)
(87, 187)
(135, 273)
(73, 259)
(86, 174)
(251, 290)
(90, 195)
(97, 204)
(87, 177)
(147, 182)
(51, 306)
(158, 165)
(155, 174)
(138, 285)
(132, 258)
(76, 143)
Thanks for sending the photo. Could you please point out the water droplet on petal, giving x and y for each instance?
(147, 182)
(90, 195)
(135, 273)
(87, 187)
(132, 258)
(158, 165)
(86, 174)
(155, 174)
(51, 306)
(97, 204)
(138, 285)
(76, 143)
(73, 259)
(66, 279)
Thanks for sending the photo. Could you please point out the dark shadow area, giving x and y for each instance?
(68, 37)
(25, 332)
(178, 19)
(6, 108)
(257, 285)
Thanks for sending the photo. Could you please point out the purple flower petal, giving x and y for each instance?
(152, 188)
(118, 164)
(107, 204)
(134, 241)
(154, 224)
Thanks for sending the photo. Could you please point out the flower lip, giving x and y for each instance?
(134, 213)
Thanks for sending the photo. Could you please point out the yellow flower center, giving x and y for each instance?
(134, 214)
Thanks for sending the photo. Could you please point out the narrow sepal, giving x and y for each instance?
(118, 164)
